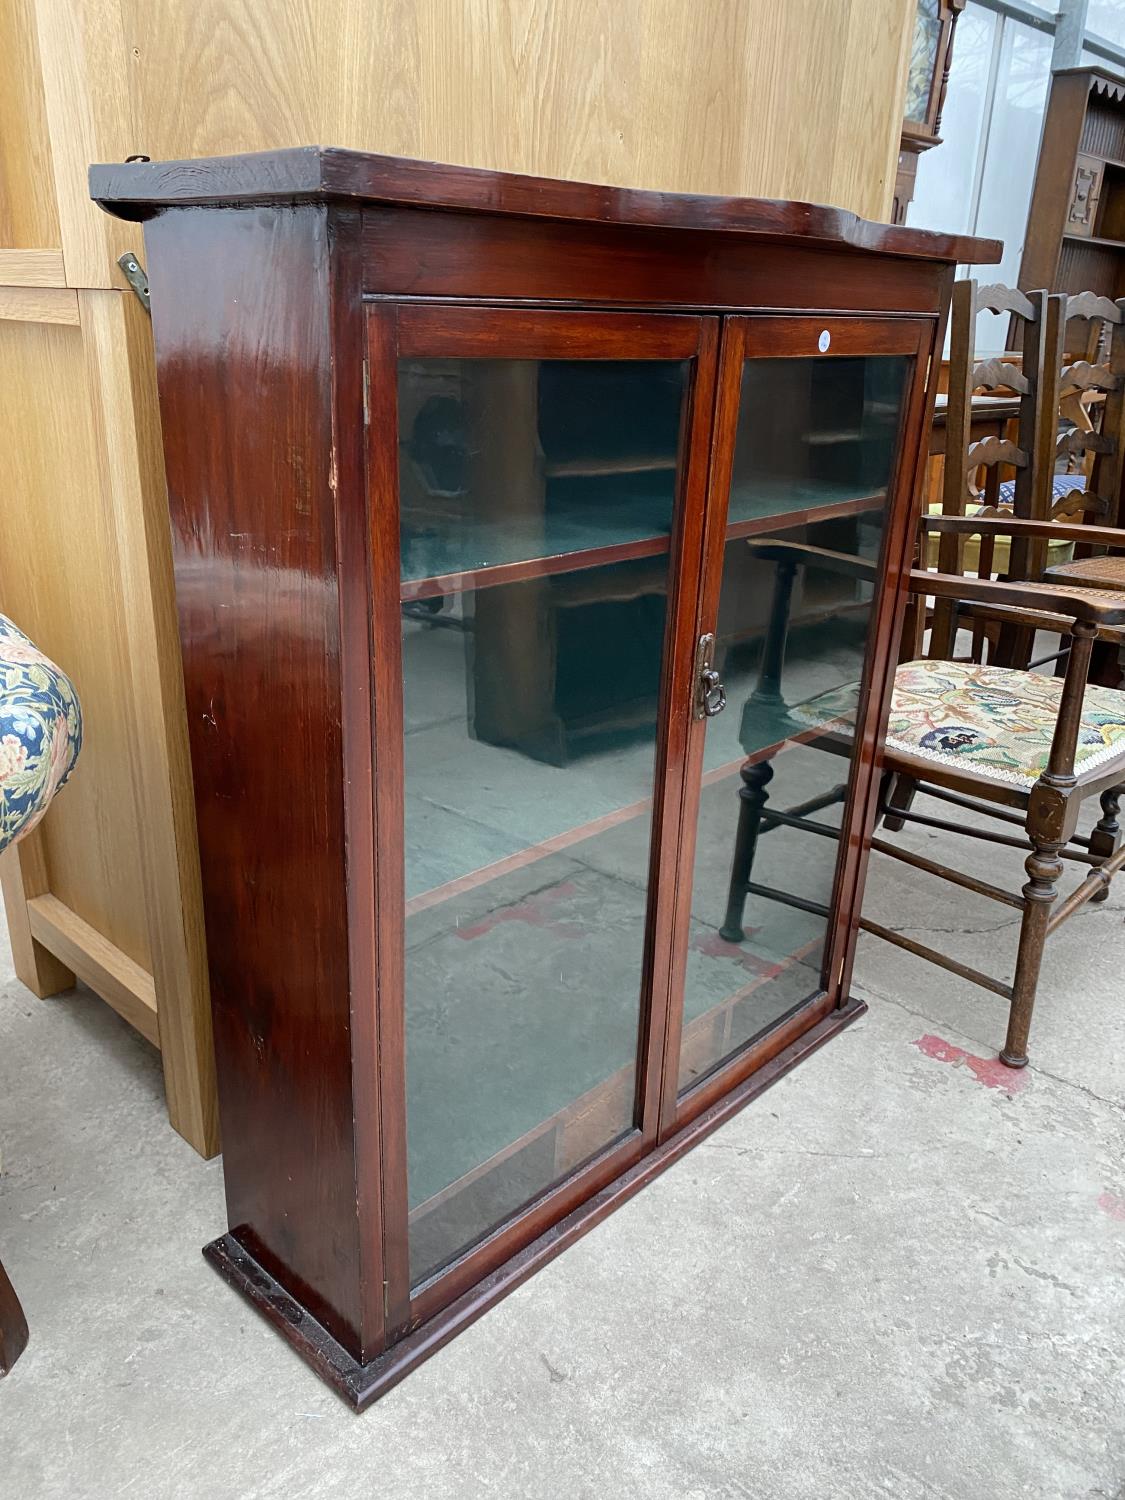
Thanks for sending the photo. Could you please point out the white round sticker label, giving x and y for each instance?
(823, 341)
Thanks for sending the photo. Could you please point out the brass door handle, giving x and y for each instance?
(710, 696)
(712, 693)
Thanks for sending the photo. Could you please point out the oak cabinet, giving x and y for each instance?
(514, 522)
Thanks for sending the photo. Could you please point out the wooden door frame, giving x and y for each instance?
(769, 336)
(400, 328)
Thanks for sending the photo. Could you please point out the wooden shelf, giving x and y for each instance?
(759, 525)
(593, 468)
(1093, 239)
(493, 575)
(532, 567)
(825, 438)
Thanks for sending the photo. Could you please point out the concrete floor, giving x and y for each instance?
(901, 1272)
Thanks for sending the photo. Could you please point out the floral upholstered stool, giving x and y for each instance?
(40, 732)
(40, 736)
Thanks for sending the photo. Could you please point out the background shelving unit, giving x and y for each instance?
(1076, 222)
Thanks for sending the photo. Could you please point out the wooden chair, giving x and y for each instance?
(1080, 389)
(1035, 421)
(1054, 389)
(1039, 322)
(1047, 804)
(1102, 499)
(1006, 744)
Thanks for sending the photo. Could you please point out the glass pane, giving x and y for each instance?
(943, 189)
(791, 634)
(979, 180)
(1106, 18)
(1008, 174)
(531, 709)
(596, 470)
(813, 432)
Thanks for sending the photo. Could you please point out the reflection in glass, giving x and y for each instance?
(530, 721)
(792, 626)
(813, 432)
(502, 461)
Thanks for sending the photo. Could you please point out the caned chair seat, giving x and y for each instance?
(1107, 595)
(40, 732)
(993, 721)
(1106, 574)
(1064, 590)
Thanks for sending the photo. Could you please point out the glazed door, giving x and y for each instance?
(812, 417)
(537, 532)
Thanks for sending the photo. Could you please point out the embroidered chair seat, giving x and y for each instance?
(992, 721)
(40, 732)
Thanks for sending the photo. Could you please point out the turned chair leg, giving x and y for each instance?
(1044, 867)
(900, 798)
(1107, 833)
(13, 1324)
(752, 796)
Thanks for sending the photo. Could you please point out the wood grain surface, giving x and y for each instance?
(31, 268)
(58, 563)
(242, 302)
(801, 100)
(33, 304)
(28, 219)
(798, 100)
(120, 377)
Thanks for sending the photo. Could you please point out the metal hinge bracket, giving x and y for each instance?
(366, 394)
(135, 276)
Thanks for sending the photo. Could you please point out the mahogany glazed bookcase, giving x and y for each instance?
(474, 480)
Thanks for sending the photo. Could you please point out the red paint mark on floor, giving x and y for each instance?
(535, 911)
(987, 1070)
(714, 946)
(1112, 1204)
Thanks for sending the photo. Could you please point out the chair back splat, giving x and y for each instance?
(1030, 454)
(1106, 377)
